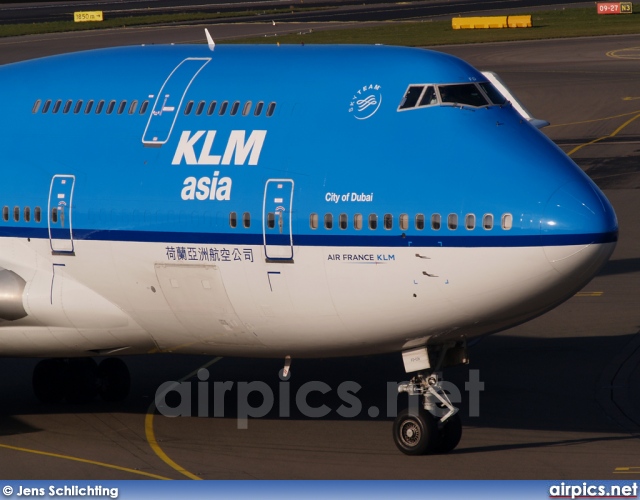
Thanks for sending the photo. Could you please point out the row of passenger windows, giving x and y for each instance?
(199, 108)
(419, 223)
(108, 106)
(125, 106)
(343, 220)
(24, 213)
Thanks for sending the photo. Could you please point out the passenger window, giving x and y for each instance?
(212, 108)
(507, 221)
(342, 222)
(313, 221)
(465, 94)
(200, 108)
(271, 220)
(77, 107)
(67, 106)
(258, 109)
(16, 214)
(452, 221)
(328, 221)
(56, 106)
(88, 107)
(5, 213)
(271, 109)
(99, 107)
(247, 108)
(132, 107)
(357, 221)
(36, 106)
(411, 97)
(46, 106)
(27, 214)
(419, 222)
(54, 215)
(122, 107)
(112, 104)
(487, 222)
(373, 221)
(436, 222)
(223, 108)
(404, 222)
(246, 220)
(234, 108)
(37, 214)
(470, 221)
(143, 108)
(388, 221)
(188, 108)
(233, 219)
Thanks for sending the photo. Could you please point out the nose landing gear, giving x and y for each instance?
(432, 427)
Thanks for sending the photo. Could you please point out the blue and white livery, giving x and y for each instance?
(280, 202)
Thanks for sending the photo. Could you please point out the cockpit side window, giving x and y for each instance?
(493, 93)
(411, 96)
(462, 94)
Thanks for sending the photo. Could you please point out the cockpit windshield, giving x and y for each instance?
(465, 94)
(474, 95)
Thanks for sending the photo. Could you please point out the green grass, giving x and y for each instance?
(551, 24)
(63, 26)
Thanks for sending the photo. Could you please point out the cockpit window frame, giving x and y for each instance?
(418, 105)
(440, 102)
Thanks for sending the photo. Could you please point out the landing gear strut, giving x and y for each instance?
(432, 427)
(80, 380)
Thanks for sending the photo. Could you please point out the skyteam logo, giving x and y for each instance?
(366, 101)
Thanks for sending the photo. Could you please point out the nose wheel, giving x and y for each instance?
(432, 427)
(415, 432)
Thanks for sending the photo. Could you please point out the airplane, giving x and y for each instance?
(281, 202)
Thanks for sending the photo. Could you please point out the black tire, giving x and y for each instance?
(50, 380)
(415, 432)
(449, 434)
(82, 380)
(114, 380)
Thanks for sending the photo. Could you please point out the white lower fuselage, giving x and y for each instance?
(130, 297)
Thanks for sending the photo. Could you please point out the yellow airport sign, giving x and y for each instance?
(88, 16)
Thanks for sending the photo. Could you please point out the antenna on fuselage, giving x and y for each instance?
(210, 42)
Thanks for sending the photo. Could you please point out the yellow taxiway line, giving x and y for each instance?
(83, 460)
(148, 425)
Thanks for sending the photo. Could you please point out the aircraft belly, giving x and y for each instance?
(198, 298)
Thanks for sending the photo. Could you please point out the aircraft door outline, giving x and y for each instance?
(277, 223)
(59, 214)
(169, 101)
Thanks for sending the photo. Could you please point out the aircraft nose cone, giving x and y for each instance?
(580, 227)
